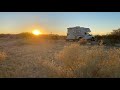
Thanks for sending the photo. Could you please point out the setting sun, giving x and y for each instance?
(36, 32)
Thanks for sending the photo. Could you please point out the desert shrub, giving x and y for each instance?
(109, 42)
(99, 37)
(82, 41)
(90, 62)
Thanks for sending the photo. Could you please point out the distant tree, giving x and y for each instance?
(113, 37)
(116, 32)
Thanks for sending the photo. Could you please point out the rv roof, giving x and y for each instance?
(73, 27)
(77, 27)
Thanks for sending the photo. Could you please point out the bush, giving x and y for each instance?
(90, 62)
(82, 41)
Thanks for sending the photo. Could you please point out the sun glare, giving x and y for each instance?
(36, 32)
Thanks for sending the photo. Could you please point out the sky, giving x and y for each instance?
(58, 22)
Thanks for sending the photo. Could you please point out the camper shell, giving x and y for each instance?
(76, 33)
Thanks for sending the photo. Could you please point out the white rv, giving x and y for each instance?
(76, 33)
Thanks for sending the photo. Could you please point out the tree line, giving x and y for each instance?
(27, 35)
(111, 39)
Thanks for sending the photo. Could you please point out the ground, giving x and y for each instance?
(43, 58)
(25, 58)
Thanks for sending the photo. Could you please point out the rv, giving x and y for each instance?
(76, 33)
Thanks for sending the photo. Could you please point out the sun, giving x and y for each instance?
(36, 32)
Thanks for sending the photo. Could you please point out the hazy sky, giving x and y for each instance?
(58, 22)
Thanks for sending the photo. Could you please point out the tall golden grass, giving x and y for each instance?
(90, 62)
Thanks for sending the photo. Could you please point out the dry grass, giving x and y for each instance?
(28, 59)
(50, 58)
(82, 41)
(2, 55)
(90, 62)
